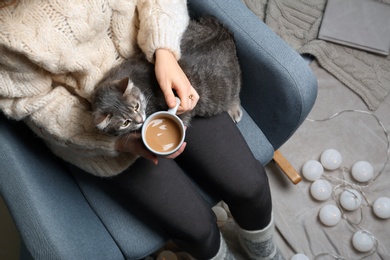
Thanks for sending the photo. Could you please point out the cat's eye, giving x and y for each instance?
(126, 123)
(136, 107)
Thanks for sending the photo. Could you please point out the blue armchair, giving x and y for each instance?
(61, 217)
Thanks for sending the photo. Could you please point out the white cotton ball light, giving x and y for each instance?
(362, 171)
(331, 159)
(381, 207)
(226, 207)
(221, 215)
(321, 190)
(312, 170)
(330, 215)
(350, 199)
(299, 257)
(363, 241)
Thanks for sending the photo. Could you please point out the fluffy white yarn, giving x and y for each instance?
(54, 52)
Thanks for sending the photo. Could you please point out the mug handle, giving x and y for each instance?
(174, 109)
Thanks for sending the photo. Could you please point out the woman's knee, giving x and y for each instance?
(201, 239)
(256, 191)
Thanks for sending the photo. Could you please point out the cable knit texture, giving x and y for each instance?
(298, 23)
(223, 252)
(54, 52)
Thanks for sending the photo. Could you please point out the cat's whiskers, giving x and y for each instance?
(128, 138)
(147, 98)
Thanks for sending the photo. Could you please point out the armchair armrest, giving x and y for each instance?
(51, 214)
(279, 88)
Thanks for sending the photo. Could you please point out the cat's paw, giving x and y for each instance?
(236, 113)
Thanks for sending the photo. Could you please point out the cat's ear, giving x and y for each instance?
(101, 120)
(125, 85)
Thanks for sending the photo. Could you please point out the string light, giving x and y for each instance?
(312, 170)
(362, 171)
(363, 241)
(221, 214)
(331, 159)
(381, 207)
(349, 196)
(379, 122)
(350, 199)
(330, 215)
(299, 257)
(321, 190)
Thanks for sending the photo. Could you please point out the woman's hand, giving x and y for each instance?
(132, 143)
(171, 77)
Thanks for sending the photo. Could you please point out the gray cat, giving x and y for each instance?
(130, 92)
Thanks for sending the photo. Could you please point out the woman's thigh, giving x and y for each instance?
(164, 195)
(219, 159)
(167, 195)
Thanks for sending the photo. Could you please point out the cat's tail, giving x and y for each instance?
(205, 32)
(216, 29)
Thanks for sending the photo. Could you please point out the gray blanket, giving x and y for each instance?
(357, 137)
(298, 23)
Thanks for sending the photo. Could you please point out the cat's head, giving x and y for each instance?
(120, 108)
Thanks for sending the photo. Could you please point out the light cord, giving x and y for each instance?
(379, 122)
(342, 184)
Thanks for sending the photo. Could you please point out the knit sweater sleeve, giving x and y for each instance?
(60, 118)
(162, 24)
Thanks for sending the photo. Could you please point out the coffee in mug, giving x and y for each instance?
(163, 132)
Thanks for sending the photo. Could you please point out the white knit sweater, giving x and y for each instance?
(54, 52)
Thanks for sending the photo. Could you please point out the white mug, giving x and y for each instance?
(163, 132)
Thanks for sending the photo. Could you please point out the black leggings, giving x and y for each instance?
(218, 159)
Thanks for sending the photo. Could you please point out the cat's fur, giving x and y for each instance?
(130, 92)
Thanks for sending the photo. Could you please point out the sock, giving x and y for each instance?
(223, 252)
(259, 244)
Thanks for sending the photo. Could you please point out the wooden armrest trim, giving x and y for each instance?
(286, 167)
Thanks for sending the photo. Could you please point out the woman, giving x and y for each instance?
(54, 53)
